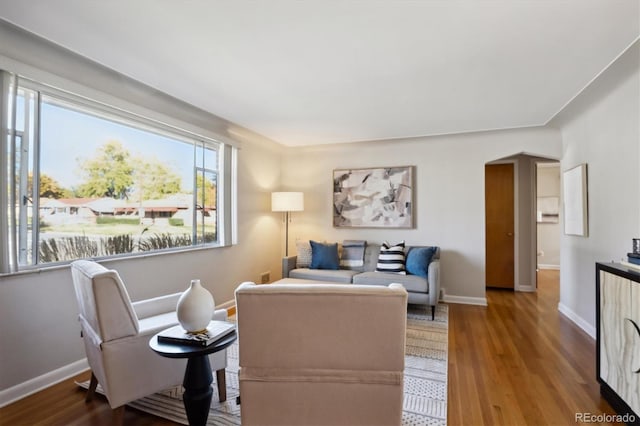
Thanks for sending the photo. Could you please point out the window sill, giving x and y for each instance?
(106, 260)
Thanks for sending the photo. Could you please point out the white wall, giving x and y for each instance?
(449, 203)
(548, 185)
(601, 128)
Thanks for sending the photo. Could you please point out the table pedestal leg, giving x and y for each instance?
(197, 390)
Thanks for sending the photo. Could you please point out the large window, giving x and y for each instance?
(85, 180)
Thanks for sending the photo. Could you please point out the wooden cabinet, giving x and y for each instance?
(618, 336)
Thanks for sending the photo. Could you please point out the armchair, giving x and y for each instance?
(116, 337)
(321, 354)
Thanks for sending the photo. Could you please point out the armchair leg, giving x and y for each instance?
(118, 415)
(92, 388)
(221, 379)
(433, 313)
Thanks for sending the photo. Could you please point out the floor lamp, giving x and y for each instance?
(287, 202)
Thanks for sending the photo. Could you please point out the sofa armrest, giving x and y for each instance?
(433, 278)
(288, 265)
(219, 315)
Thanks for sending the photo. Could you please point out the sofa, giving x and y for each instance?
(421, 290)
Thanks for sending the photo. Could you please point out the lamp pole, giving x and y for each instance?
(286, 233)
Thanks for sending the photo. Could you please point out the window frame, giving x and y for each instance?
(225, 170)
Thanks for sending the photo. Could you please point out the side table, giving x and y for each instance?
(197, 376)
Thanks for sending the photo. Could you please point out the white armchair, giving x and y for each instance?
(116, 337)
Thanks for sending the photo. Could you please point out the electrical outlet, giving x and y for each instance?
(265, 277)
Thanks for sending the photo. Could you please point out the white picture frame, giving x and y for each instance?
(575, 201)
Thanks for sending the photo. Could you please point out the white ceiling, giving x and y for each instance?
(326, 71)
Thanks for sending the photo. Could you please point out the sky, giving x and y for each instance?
(68, 137)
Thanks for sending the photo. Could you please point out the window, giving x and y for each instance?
(88, 180)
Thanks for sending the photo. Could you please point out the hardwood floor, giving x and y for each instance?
(63, 404)
(516, 362)
(519, 361)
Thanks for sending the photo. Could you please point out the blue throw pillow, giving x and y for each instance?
(418, 260)
(324, 256)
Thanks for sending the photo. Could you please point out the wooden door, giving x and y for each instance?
(499, 223)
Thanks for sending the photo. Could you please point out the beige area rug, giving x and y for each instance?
(425, 379)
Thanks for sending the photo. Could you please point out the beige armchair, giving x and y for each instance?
(116, 337)
(322, 354)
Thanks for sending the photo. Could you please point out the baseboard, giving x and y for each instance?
(545, 266)
(577, 320)
(525, 288)
(36, 384)
(481, 301)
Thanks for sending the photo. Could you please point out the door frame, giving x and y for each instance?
(534, 180)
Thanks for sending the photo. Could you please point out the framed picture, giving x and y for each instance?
(373, 198)
(574, 185)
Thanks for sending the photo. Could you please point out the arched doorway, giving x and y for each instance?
(523, 241)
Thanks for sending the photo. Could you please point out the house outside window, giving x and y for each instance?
(85, 180)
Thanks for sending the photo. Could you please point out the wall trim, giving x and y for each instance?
(577, 320)
(480, 301)
(548, 266)
(22, 390)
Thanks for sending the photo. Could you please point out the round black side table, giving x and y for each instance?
(197, 376)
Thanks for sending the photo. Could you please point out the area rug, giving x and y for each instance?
(425, 379)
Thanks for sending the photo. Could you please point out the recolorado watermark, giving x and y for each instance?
(604, 418)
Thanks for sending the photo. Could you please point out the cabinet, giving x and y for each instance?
(618, 336)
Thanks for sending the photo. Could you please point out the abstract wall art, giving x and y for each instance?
(373, 198)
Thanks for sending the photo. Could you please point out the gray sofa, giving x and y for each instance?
(424, 291)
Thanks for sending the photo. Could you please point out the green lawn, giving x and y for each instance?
(119, 229)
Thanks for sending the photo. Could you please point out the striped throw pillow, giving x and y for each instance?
(391, 258)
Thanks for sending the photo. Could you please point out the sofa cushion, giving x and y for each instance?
(352, 255)
(418, 260)
(409, 282)
(391, 258)
(324, 256)
(342, 276)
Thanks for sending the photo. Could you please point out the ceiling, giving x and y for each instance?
(329, 71)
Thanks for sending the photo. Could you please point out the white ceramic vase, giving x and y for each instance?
(195, 308)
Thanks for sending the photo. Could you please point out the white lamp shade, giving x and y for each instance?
(287, 201)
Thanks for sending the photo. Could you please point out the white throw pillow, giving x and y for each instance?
(304, 254)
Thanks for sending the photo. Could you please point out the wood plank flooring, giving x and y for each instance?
(520, 362)
(516, 362)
